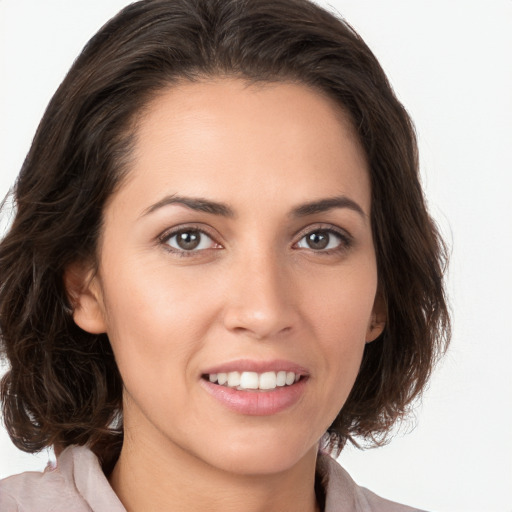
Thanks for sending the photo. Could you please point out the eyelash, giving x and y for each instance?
(345, 240)
(165, 237)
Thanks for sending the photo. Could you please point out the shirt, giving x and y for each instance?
(77, 484)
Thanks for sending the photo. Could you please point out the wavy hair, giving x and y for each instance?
(62, 386)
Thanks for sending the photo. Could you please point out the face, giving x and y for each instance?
(237, 276)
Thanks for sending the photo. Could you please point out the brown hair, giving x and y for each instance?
(63, 386)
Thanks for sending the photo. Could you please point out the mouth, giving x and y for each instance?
(255, 387)
(254, 381)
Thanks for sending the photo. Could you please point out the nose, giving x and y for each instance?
(261, 303)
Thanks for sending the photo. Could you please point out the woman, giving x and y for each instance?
(221, 266)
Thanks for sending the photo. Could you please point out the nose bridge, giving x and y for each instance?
(260, 301)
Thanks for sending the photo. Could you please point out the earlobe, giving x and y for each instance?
(377, 320)
(84, 294)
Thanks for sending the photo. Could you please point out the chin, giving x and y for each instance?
(263, 456)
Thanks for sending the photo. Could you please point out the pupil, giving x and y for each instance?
(318, 240)
(188, 240)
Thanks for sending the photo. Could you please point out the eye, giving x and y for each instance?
(323, 240)
(189, 240)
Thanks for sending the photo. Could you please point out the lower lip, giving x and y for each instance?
(257, 403)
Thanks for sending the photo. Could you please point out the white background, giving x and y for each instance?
(450, 62)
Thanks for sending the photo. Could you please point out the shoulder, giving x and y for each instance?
(37, 491)
(343, 494)
(75, 483)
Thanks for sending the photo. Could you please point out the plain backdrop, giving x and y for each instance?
(450, 63)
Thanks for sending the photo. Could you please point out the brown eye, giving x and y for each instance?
(317, 241)
(190, 240)
(322, 240)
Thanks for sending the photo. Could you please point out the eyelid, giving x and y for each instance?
(344, 235)
(323, 226)
(346, 238)
(164, 237)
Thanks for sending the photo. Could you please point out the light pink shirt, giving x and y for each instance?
(77, 484)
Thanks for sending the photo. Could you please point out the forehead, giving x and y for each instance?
(228, 137)
(264, 105)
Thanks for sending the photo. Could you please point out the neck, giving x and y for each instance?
(147, 477)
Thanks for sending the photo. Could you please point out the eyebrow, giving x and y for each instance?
(194, 203)
(327, 204)
(223, 210)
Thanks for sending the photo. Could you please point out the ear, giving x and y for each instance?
(84, 293)
(377, 320)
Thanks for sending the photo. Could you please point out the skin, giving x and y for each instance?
(254, 289)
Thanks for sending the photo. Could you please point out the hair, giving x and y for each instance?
(62, 386)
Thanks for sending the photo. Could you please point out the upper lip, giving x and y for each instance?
(250, 365)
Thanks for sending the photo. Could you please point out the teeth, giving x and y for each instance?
(290, 378)
(268, 380)
(249, 380)
(253, 380)
(233, 379)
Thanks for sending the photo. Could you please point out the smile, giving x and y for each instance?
(265, 381)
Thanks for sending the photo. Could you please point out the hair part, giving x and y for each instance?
(63, 386)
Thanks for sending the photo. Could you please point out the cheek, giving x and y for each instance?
(340, 317)
(153, 317)
(154, 337)
(342, 304)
